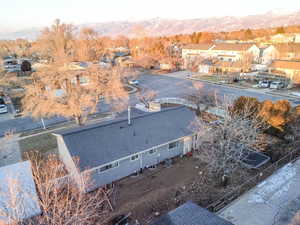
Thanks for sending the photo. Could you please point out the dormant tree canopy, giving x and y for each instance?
(73, 94)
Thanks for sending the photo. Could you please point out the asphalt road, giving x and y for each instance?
(173, 85)
(179, 86)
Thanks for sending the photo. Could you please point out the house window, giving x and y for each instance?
(109, 166)
(134, 157)
(152, 151)
(173, 145)
(83, 80)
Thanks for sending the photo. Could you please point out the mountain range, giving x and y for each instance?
(158, 26)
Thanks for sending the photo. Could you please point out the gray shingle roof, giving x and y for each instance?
(190, 214)
(100, 144)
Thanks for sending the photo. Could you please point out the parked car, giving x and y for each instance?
(264, 84)
(134, 82)
(3, 106)
(276, 85)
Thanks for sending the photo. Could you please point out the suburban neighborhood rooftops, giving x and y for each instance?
(202, 46)
(190, 214)
(286, 64)
(288, 47)
(18, 197)
(232, 46)
(99, 144)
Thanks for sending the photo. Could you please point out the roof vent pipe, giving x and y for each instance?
(129, 116)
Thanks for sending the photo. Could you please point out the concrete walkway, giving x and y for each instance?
(9, 151)
(275, 201)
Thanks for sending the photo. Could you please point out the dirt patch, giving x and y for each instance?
(165, 188)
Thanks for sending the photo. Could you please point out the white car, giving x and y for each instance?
(264, 84)
(3, 108)
(276, 85)
(134, 82)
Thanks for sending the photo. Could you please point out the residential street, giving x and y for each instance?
(171, 85)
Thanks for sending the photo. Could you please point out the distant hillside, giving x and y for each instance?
(158, 27)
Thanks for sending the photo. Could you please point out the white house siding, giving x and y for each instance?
(127, 166)
(65, 156)
(269, 54)
(254, 50)
(203, 69)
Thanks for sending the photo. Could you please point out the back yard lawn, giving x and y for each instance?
(43, 143)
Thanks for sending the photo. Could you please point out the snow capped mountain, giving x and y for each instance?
(158, 26)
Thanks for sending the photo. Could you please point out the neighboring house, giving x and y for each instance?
(268, 54)
(11, 65)
(110, 151)
(288, 51)
(276, 200)
(114, 57)
(282, 38)
(206, 66)
(287, 68)
(224, 67)
(230, 52)
(297, 38)
(190, 214)
(233, 52)
(193, 51)
(18, 196)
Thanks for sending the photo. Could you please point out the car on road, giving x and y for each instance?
(3, 106)
(276, 85)
(134, 82)
(264, 84)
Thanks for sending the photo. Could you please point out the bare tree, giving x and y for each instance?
(146, 97)
(223, 145)
(246, 61)
(60, 199)
(73, 94)
(192, 63)
(88, 45)
(56, 42)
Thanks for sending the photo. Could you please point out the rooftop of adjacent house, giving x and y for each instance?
(286, 64)
(276, 200)
(18, 197)
(202, 46)
(102, 143)
(287, 47)
(190, 214)
(233, 46)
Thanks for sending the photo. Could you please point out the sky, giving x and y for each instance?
(17, 14)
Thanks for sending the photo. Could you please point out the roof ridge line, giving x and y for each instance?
(94, 126)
